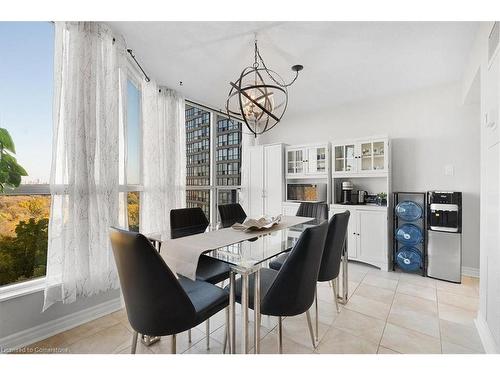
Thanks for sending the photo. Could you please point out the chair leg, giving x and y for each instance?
(334, 288)
(226, 332)
(316, 313)
(208, 333)
(189, 336)
(309, 324)
(174, 344)
(280, 335)
(134, 343)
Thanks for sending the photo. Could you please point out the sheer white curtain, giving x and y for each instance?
(89, 77)
(164, 157)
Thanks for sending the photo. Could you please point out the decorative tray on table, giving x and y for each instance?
(257, 224)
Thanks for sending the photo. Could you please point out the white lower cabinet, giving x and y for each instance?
(367, 239)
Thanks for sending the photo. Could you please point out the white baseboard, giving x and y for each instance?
(48, 329)
(469, 271)
(485, 335)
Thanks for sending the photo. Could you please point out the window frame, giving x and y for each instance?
(37, 284)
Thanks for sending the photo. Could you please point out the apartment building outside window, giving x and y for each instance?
(213, 160)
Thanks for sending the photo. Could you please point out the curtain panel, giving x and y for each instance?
(90, 79)
(164, 157)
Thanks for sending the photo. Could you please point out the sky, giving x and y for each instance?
(26, 84)
(26, 91)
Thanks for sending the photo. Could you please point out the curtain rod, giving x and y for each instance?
(192, 102)
(146, 78)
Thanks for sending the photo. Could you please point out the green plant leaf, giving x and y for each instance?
(6, 140)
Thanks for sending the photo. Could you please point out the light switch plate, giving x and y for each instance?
(449, 170)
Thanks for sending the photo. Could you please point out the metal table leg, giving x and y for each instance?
(343, 299)
(256, 309)
(244, 315)
(232, 313)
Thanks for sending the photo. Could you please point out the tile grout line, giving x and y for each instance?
(387, 317)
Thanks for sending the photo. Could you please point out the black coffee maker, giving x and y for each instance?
(347, 192)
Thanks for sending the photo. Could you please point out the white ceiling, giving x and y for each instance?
(343, 61)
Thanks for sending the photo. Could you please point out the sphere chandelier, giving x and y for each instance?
(261, 104)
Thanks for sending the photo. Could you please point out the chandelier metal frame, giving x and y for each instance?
(269, 116)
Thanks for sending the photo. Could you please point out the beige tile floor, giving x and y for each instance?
(388, 313)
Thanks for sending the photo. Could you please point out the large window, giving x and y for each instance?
(26, 86)
(213, 156)
(133, 160)
(26, 82)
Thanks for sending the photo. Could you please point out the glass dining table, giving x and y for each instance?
(248, 257)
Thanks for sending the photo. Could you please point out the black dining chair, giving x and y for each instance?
(157, 303)
(318, 211)
(231, 213)
(189, 221)
(291, 290)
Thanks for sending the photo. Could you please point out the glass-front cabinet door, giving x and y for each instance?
(295, 162)
(366, 157)
(379, 158)
(317, 160)
(373, 156)
(345, 158)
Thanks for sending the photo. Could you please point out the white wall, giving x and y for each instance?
(22, 320)
(488, 319)
(429, 129)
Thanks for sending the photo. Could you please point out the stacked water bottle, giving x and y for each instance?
(411, 236)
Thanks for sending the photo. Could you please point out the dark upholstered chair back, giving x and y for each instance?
(156, 303)
(292, 292)
(316, 210)
(334, 244)
(187, 221)
(231, 213)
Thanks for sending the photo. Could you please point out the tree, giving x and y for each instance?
(10, 171)
(31, 246)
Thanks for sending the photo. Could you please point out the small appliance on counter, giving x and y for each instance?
(347, 187)
(362, 196)
(306, 192)
(444, 233)
(371, 199)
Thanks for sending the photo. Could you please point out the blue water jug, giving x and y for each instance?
(409, 234)
(409, 211)
(409, 258)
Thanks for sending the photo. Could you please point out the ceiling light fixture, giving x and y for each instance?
(261, 104)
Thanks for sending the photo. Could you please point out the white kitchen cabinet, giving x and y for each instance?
(372, 236)
(307, 161)
(265, 180)
(367, 236)
(367, 156)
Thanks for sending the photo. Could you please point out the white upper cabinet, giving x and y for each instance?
(368, 156)
(307, 161)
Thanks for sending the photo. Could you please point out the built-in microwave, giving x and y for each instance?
(306, 192)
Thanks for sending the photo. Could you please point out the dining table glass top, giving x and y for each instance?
(251, 253)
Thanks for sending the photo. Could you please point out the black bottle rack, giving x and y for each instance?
(420, 198)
